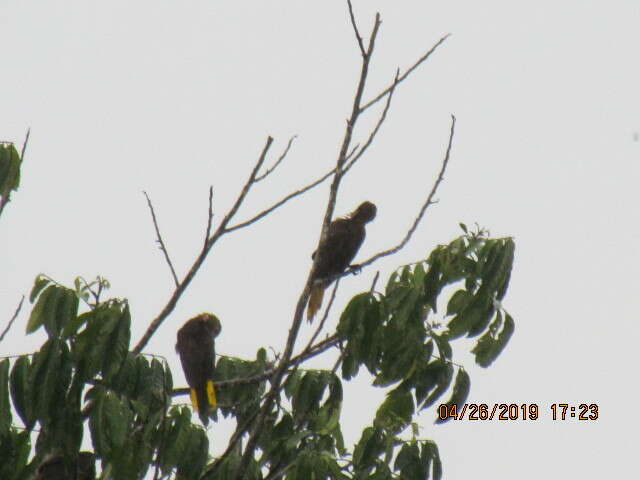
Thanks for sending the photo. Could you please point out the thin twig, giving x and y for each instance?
(13, 319)
(292, 195)
(269, 171)
(220, 231)
(407, 73)
(324, 317)
(424, 207)
(207, 233)
(374, 132)
(24, 144)
(160, 241)
(281, 202)
(373, 284)
(355, 29)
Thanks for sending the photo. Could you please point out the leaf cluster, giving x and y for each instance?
(84, 379)
(84, 372)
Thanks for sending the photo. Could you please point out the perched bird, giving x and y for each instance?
(196, 347)
(335, 253)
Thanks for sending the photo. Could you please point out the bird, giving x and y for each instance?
(343, 240)
(196, 348)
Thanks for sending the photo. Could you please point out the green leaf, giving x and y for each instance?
(49, 378)
(21, 391)
(292, 383)
(443, 345)
(72, 326)
(192, 463)
(458, 302)
(445, 375)
(408, 463)
(460, 392)
(109, 423)
(55, 307)
(15, 447)
(40, 282)
(5, 406)
(65, 309)
(395, 412)
(40, 312)
(99, 346)
(429, 454)
(426, 379)
(117, 346)
(369, 448)
(10, 162)
(490, 346)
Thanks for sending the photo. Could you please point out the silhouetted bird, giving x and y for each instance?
(196, 347)
(340, 246)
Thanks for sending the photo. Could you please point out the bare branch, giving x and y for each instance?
(407, 73)
(375, 280)
(275, 165)
(281, 202)
(374, 132)
(355, 29)
(160, 241)
(24, 144)
(276, 379)
(424, 207)
(220, 231)
(207, 233)
(324, 317)
(290, 196)
(13, 318)
(247, 185)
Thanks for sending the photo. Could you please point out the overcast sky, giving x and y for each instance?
(172, 97)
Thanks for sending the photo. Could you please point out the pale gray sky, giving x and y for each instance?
(171, 97)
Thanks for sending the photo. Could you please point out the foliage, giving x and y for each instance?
(85, 375)
(10, 163)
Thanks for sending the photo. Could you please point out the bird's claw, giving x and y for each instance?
(355, 269)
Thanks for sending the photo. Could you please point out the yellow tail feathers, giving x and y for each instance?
(194, 399)
(209, 397)
(211, 394)
(315, 301)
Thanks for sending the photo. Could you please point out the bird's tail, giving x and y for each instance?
(315, 300)
(203, 400)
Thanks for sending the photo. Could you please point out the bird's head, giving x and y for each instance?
(365, 212)
(211, 322)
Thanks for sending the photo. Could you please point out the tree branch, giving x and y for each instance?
(308, 353)
(324, 317)
(355, 29)
(421, 60)
(275, 165)
(375, 130)
(160, 241)
(276, 379)
(423, 209)
(290, 196)
(207, 233)
(13, 319)
(220, 231)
